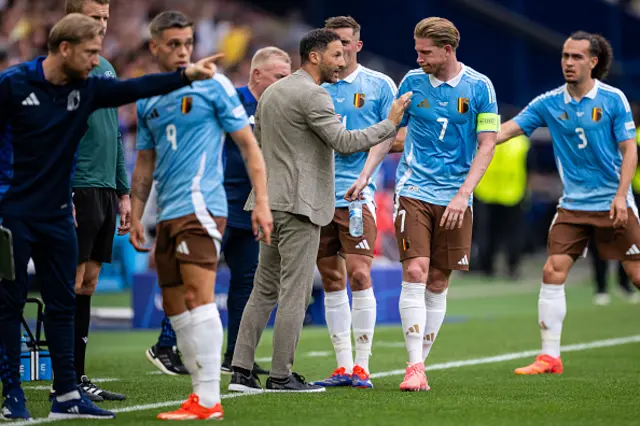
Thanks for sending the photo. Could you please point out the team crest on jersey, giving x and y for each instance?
(109, 74)
(358, 100)
(596, 114)
(187, 103)
(463, 105)
(73, 101)
(564, 116)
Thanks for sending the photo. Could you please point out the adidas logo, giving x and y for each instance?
(464, 260)
(415, 328)
(85, 340)
(363, 245)
(430, 337)
(74, 410)
(363, 339)
(424, 104)
(633, 250)
(183, 249)
(31, 100)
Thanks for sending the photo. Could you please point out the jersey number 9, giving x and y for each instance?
(172, 136)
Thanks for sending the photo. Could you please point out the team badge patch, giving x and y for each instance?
(564, 116)
(463, 105)
(187, 103)
(358, 100)
(596, 114)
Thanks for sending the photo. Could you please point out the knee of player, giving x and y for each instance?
(88, 286)
(416, 274)
(360, 279)
(553, 272)
(634, 276)
(333, 281)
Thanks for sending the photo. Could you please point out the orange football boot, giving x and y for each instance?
(543, 364)
(192, 410)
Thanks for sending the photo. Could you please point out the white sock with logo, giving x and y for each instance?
(364, 323)
(184, 336)
(552, 309)
(436, 309)
(338, 316)
(208, 336)
(413, 313)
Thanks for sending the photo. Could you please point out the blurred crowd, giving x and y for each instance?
(517, 222)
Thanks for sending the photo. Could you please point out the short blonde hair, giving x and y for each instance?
(74, 28)
(263, 55)
(441, 31)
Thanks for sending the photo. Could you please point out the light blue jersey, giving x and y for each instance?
(187, 129)
(442, 122)
(585, 138)
(362, 99)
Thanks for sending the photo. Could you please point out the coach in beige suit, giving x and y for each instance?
(298, 131)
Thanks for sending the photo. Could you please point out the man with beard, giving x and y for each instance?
(298, 131)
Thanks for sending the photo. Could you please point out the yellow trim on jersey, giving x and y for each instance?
(488, 122)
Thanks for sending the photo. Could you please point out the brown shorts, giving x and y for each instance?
(335, 237)
(187, 240)
(571, 230)
(419, 234)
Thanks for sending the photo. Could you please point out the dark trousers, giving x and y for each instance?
(497, 226)
(241, 253)
(53, 245)
(600, 268)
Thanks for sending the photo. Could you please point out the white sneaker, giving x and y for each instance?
(601, 299)
(634, 298)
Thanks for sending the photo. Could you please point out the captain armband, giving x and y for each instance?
(488, 122)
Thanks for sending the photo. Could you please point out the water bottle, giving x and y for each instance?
(355, 218)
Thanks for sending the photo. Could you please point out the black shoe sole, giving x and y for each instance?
(316, 390)
(236, 387)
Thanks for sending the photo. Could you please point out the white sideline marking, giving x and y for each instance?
(45, 387)
(517, 355)
(442, 366)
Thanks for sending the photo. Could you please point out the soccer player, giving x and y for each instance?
(239, 246)
(179, 139)
(362, 97)
(451, 135)
(594, 143)
(44, 112)
(100, 184)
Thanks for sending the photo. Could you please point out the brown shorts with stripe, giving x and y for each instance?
(571, 230)
(335, 237)
(187, 240)
(419, 234)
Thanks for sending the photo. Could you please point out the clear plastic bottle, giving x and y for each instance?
(355, 218)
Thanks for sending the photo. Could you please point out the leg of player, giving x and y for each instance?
(199, 329)
(85, 286)
(632, 268)
(552, 309)
(413, 313)
(363, 315)
(338, 316)
(436, 302)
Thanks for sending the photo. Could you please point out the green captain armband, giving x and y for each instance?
(488, 122)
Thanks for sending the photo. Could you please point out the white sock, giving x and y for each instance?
(364, 322)
(338, 316)
(208, 336)
(184, 335)
(436, 309)
(413, 313)
(552, 308)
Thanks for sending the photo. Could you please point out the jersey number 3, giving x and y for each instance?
(172, 136)
(582, 136)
